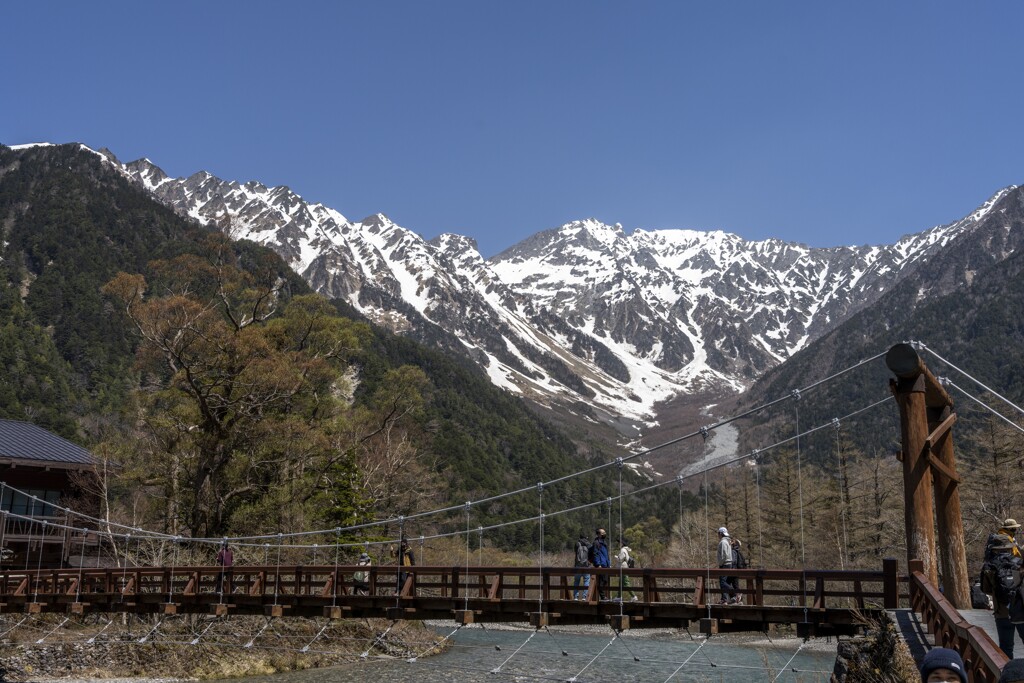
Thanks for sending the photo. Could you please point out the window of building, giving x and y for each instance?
(28, 505)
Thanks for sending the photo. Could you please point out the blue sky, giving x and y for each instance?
(820, 122)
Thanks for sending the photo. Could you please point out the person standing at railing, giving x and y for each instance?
(626, 561)
(581, 562)
(1000, 578)
(405, 559)
(361, 578)
(225, 560)
(725, 561)
(599, 558)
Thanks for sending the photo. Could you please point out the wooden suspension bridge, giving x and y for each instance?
(816, 602)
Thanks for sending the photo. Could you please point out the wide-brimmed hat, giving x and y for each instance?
(364, 556)
(1010, 524)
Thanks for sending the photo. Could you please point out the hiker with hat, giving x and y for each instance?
(725, 561)
(1007, 530)
(1000, 578)
(942, 665)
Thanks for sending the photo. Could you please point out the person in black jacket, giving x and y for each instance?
(1003, 562)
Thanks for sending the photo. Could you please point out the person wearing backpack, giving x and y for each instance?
(582, 561)
(725, 559)
(1001, 578)
(1009, 531)
(626, 561)
(361, 578)
(738, 562)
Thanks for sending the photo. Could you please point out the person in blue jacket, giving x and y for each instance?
(599, 558)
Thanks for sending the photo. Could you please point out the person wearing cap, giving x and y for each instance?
(1013, 672)
(361, 578)
(725, 561)
(225, 560)
(942, 665)
(1003, 558)
(1007, 530)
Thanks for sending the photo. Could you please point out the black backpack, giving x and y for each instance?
(1006, 569)
(738, 561)
(631, 561)
(978, 598)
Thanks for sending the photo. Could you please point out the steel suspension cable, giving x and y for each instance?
(973, 379)
(949, 382)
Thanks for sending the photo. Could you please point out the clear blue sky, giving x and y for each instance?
(822, 122)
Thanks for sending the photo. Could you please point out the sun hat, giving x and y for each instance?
(1010, 524)
(723, 531)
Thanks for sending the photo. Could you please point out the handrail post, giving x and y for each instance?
(890, 579)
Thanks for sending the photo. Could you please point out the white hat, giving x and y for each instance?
(722, 531)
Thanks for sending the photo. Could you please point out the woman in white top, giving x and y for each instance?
(624, 556)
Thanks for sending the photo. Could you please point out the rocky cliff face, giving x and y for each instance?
(584, 312)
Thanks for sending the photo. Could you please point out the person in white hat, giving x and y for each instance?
(725, 561)
(1007, 531)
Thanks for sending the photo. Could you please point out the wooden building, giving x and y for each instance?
(37, 473)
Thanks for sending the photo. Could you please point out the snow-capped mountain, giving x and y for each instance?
(585, 315)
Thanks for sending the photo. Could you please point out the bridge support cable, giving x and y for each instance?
(565, 653)
(574, 679)
(800, 493)
(53, 630)
(948, 382)
(760, 530)
(687, 660)
(379, 639)
(259, 633)
(498, 669)
(81, 568)
(622, 539)
(540, 560)
(707, 522)
(436, 645)
(783, 670)
(844, 494)
(970, 377)
(103, 630)
(213, 621)
(150, 634)
(465, 578)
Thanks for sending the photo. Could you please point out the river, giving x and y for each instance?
(479, 654)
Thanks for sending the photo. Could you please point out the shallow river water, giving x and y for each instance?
(496, 655)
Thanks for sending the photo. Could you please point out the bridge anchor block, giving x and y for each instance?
(540, 619)
(620, 622)
(332, 612)
(463, 616)
(709, 627)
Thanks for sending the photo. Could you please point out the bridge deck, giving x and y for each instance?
(818, 602)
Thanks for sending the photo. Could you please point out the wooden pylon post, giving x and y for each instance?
(931, 459)
(909, 390)
(952, 550)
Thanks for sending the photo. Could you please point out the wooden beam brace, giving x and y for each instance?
(940, 467)
(940, 431)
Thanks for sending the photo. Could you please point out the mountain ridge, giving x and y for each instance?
(579, 314)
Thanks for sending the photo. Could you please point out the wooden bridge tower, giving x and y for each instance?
(929, 471)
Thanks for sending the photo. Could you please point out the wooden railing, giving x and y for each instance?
(822, 601)
(983, 659)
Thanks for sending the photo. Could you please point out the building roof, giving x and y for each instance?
(24, 441)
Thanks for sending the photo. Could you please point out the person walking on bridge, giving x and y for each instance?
(599, 558)
(1000, 578)
(581, 562)
(1007, 531)
(725, 561)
